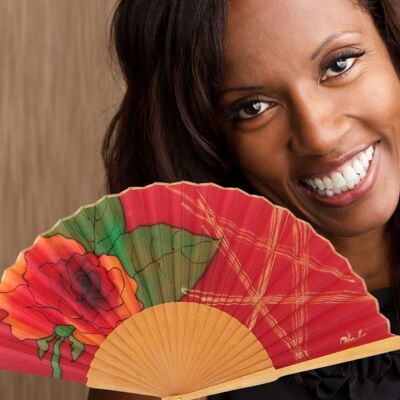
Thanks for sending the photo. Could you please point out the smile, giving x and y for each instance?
(344, 178)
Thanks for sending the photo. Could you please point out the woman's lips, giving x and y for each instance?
(351, 195)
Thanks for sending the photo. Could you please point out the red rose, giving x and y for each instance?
(56, 282)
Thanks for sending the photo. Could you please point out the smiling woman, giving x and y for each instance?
(298, 101)
(327, 91)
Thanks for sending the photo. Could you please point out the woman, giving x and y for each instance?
(298, 101)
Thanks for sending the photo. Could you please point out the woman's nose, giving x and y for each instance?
(318, 122)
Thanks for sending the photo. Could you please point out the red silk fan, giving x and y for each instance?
(183, 290)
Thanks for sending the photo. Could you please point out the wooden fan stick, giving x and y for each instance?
(218, 326)
(269, 375)
(238, 342)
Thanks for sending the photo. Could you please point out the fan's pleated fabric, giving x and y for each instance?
(174, 287)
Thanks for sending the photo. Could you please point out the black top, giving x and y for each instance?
(372, 378)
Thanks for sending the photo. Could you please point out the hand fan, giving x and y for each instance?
(183, 290)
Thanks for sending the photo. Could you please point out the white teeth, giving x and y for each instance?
(345, 179)
(329, 193)
(337, 190)
(338, 180)
(357, 166)
(364, 160)
(350, 185)
(320, 184)
(328, 183)
(370, 152)
(358, 179)
(349, 173)
(312, 183)
(344, 188)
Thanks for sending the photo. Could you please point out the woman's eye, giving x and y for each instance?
(247, 110)
(340, 64)
(252, 109)
(339, 67)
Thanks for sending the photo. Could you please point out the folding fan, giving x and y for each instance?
(183, 290)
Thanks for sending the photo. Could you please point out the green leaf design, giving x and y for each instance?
(64, 331)
(43, 345)
(164, 260)
(61, 333)
(95, 227)
(77, 348)
(55, 359)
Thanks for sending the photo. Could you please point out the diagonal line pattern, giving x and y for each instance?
(256, 296)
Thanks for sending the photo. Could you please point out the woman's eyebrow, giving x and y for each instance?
(314, 54)
(328, 40)
(239, 89)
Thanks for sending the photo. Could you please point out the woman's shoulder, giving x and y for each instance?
(387, 306)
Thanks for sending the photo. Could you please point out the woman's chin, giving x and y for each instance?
(352, 224)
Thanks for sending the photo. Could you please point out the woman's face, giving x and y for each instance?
(311, 106)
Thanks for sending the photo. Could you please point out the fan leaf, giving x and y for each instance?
(166, 261)
(43, 345)
(77, 348)
(96, 227)
(55, 359)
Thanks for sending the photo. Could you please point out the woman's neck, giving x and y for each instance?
(369, 255)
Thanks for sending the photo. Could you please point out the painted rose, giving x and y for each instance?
(56, 282)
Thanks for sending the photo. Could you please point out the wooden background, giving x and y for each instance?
(58, 90)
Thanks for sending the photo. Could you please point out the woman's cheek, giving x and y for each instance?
(266, 171)
(379, 97)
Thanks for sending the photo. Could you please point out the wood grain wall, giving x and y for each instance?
(58, 91)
